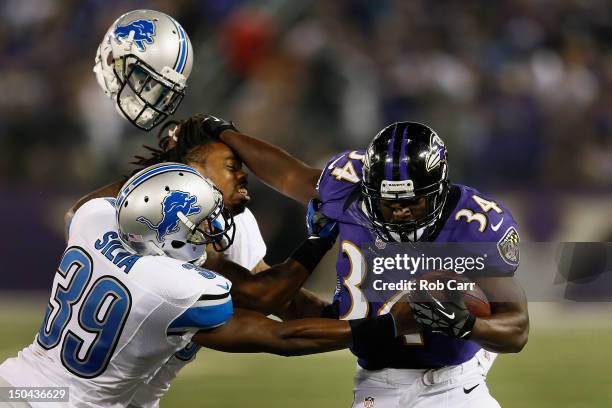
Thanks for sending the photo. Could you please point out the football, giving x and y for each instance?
(448, 286)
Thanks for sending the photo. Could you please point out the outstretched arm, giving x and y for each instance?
(251, 332)
(304, 304)
(274, 166)
(270, 290)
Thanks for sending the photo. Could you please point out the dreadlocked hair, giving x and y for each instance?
(175, 147)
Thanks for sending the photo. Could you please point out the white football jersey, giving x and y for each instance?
(247, 250)
(114, 318)
(249, 247)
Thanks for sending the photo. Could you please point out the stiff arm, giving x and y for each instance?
(251, 332)
(275, 166)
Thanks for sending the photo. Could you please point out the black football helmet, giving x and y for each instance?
(405, 161)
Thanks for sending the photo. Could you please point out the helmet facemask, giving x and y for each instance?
(405, 161)
(405, 231)
(142, 64)
(145, 97)
(218, 229)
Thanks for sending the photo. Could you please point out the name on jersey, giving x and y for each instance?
(111, 247)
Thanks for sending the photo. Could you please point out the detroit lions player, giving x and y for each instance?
(188, 142)
(398, 190)
(125, 296)
(143, 64)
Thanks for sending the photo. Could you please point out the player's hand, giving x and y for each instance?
(214, 126)
(404, 318)
(449, 318)
(318, 224)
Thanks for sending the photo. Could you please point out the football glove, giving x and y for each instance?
(317, 224)
(214, 126)
(448, 318)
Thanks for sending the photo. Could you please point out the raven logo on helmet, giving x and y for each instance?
(174, 202)
(436, 152)
(144, 30)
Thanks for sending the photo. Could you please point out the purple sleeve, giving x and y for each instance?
(340, 177)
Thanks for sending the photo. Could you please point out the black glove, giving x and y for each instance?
(449, 318)
(214, 126)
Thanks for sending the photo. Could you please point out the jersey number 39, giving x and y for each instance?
(104, 308)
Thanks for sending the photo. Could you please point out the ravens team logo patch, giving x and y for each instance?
(508, 247)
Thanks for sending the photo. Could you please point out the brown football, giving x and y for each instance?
(440, 286)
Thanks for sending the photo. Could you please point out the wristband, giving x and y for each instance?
(466, 330)
(312, 250)
(379, 327)
(331, 311)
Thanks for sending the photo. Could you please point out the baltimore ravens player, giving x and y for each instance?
(142, 64)
(398, 190)
(126, 296)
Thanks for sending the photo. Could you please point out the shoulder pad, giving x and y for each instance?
(178, 283)
(479, 218)
(341, 175)
(212, 308)
(100, 208)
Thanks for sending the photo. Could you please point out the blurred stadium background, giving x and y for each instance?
(520, 90)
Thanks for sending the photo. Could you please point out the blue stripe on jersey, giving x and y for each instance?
(204, 317)
(150, 174)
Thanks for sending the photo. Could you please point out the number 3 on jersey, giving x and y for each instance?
(352, 282)
(103, 313)
(360, 305)
(481, 218)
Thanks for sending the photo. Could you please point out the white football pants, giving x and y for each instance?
(455, 386)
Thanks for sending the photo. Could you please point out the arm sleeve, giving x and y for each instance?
(211, 310)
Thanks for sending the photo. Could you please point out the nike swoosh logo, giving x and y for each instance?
(468, 390)
(441, 309)
(450, 316)
(496, 226)
(224, 286)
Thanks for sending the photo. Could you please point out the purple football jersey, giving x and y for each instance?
(469, 217)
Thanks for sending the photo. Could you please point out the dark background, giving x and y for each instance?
(521, 91)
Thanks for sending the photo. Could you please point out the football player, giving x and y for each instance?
(142, 64)
(398, 190)
(187, 142)
(126, 296)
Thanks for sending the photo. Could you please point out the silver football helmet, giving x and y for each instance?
(171, 209)
(143, 64)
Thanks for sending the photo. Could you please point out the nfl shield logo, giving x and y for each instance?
(368, 402)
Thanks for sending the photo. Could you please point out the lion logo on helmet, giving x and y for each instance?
(174, 202)
(144, 30)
